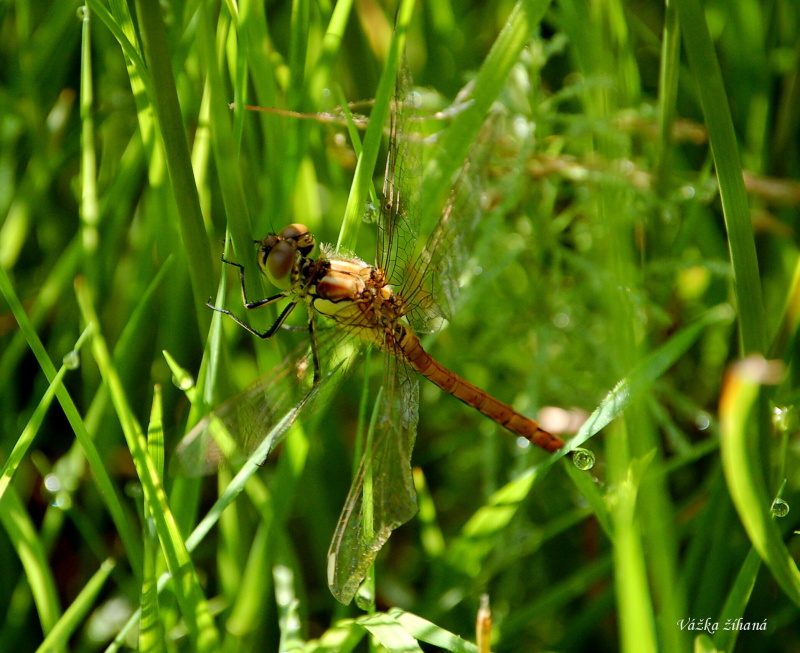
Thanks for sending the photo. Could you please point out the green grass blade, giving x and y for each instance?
(645, 374)
(187, 586)
(494, 71)
(716, 110)
(58, 638)
(737, 602)
(362, 180)
(480, 534)
(28, 546)
(742, 467)
(179, 163)
(32, 427)
(151, 629)
(107, 488)
(388, 631)
(426, 631)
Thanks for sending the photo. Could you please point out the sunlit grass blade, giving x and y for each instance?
(151, 629)
(388, 631)
(72, 619)
(342, 636)
(742, 466)
(89, 210)
(25, 541)
(249, 468)
(288, 618)
(634, 592)
(108, 489)
(187, 587)
(426, 631)
(647, 371)
(365, 168)
(29, 433)
(122, 34)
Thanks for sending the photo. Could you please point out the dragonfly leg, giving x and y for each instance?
(312, 335)
(261, 302)
(269, 332)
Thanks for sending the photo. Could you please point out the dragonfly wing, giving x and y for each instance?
(432, 279)
(237, 427)
(367, 522)
(398, 218)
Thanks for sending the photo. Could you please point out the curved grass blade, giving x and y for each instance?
(742, 464)
(480, 534)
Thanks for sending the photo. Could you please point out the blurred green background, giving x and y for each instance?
(639, 215)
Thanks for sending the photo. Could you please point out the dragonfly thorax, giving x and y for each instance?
(281, 255)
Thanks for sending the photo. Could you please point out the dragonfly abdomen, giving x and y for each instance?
(473, 396)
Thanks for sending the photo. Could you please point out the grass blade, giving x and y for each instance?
(742, 467)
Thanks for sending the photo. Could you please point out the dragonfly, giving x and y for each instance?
(408, 290)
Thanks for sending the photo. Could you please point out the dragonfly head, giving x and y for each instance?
(279, 253)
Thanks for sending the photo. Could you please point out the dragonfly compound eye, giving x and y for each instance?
(267, 245)
(277, 263)
(299, 234)
(293, 231)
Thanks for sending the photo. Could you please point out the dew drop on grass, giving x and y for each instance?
(72, 360)
(583, 459)
(785, 419)
(370, 213)
(52, 483)
(184, 382)
(83, 13)
(780, 508)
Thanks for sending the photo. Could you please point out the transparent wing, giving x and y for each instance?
(365, 525)
(237, 427)
(431, 281)
(398, 219)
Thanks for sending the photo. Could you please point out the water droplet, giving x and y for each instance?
(62, 501)
(561, 320)
(370, 213)
(522, 128)
(83, 13)
(52, 483)
(702, 420)
(415, 100)
(785, 419)
(185, 382)
(583, 459)
(134, 489)
(780, 508)
(72, 360)
(365, 597)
